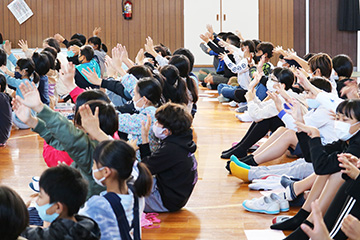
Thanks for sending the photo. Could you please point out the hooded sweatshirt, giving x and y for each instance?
(175, 167)
(85, 228)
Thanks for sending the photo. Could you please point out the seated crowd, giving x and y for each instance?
(128, 146)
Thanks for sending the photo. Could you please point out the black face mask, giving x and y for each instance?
(257, 58)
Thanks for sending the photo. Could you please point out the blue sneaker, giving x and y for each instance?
(234, 159)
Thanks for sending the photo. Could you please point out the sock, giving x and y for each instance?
(299, 234)
(240, 164)
(292, 223)
(250, 161)
(227, 166)
(298, 201)
(246, 158)
(286, 181)
(239, 172)
(237, 151)
(290, 193)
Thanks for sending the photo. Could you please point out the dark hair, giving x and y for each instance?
(174, 85)
(323, 62)
(120, 156)
(75, 42)
(2, 83)
(222, 35)
(79, 37)
(321, 83)
(150, 88)
(181, 62)
(188, 54)
(65, 184)
(87, 51)
(276, 71)
(167, 50)
(108, 118)
(14, 216)
(140, 71)
(266, 47)
(29, 65)
(52, 55)
(307, 56)
(234, 40)
(343, 65)
(52, 42)
(3, 57)
(86, 96)
(42, 63)
(1, 39)
(97, 41)
(286, 76)
(160, 49)
(256, 42)
(350, 108)
(250, 44)
(174, 117)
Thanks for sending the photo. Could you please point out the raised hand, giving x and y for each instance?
(89, 121)
(111, 71)
(31, 96)
(145, 129)
(276, 99)
(139, 59)
(210, 28)
(310, 131)
(117, 61)
(96, 31)
(23, 112)
(204, 38)
(92, 76)
(295, 111)
(59, 38)
(301, 76)
(67, 72)
(7, 47)
(222, 56)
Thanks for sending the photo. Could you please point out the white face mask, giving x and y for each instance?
(139, 108)
(334, 76)
(312, 103)
(342, 130)
(159, 132)
(98, 181)
(270, 85)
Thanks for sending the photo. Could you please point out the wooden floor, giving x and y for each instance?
(214, 210)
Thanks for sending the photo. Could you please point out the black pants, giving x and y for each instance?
(257, 131)
(342, 205)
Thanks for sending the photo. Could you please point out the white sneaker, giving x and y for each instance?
(245, 117)
(263, 204)
(269, 182)
(222, 99)
(233, 104)
(284, 204)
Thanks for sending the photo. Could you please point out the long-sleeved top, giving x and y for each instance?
(324, 158)
(5, 117)
(84, 228)
(242, 70)
(44, 89)
(175, 168)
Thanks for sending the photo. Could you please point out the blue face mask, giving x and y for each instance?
(70, 54)
(18, 75)
(312, 103)
(42, 212)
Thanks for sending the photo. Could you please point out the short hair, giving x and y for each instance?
(343, 65)
(108, 118)
(321, 83)
(75, 42)
(3, 57)
(266, 47)
(234, 40)
(150, 88)
(307, 56)
(187, 53)
(87, 51)
(14, 216)
(42, 63)
(52, 42)
(65, 184)
(2, 83)
(323, 62)
(140, 71)
(86, 96)
(80, 37)
(286, 76)
(174, 117)
(350, 108)
(1, 39)
(250, 44)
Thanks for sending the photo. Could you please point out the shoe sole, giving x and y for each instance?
(259, 211)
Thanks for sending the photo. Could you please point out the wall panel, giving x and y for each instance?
(163, 20)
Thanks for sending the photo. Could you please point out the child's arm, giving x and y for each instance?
(235, 68)
(14, 82)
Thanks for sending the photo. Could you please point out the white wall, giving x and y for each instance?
(242, 15)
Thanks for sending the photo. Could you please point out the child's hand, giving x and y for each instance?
(350, 163)
(145, 129)
(91, 76)
(204, 38)
(7, 47)
(351, 227)
(68, 73)
(123, 52)
(250, 95)
(25, 48)
(139, 59)
(295, 111)
(351, 90)
(210, 28)
(96, 31)
(276, 100)
(75, 49)
(312, 132)
(31, 96)
(110, 70)
(23, 112)
(222, 56)
(133, 143)
(59, 38)
(89, 121)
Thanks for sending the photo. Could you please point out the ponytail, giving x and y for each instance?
(104, 48)
(36, 77)
(192, 88)
(143, 183)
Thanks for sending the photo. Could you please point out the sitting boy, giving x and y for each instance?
(5, 112)
(173, 164)
(62, 192)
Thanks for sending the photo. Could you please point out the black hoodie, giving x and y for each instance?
(175, 167)
(85, 228)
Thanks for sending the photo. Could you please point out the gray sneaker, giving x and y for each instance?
(222, 99)
(241, 109)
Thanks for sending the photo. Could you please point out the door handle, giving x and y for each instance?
(224, 17)
(217, 17)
